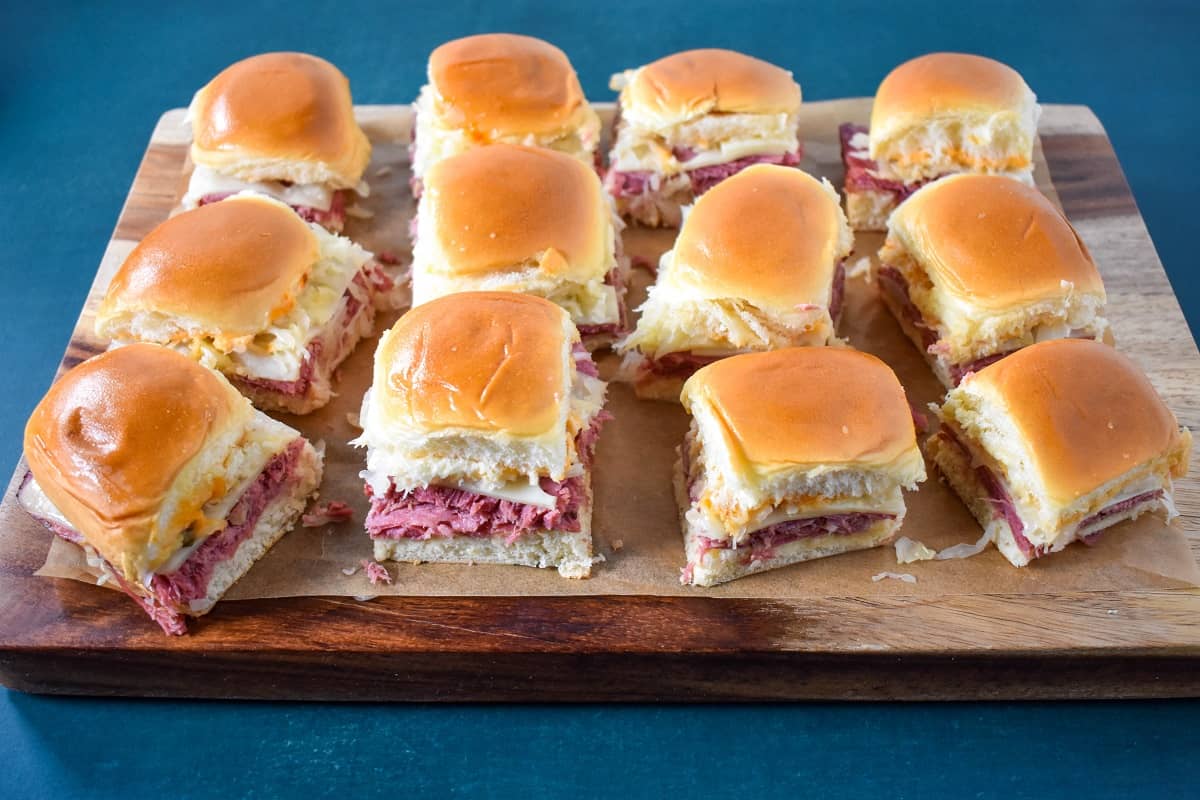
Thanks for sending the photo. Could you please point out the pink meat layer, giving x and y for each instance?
(1002, 503)
(172, 592)
(334, 217)
(431, 511)
(683, 363)
(371, 280)
(896, 286)
(862, 173)
(762, 544)
(628, 184)
(190, 581)
(583, 361)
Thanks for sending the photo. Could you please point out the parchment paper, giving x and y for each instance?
(635, 524)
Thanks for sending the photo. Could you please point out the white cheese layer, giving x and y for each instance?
(206, 181)
(706, 525)
(35, 501)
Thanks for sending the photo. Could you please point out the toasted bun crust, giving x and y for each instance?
(772, 235)
(697, 82)
(109, 439)
(282, 116)
(512, 207)
(231, 267)
(993, 242)
(946, 113)
(806, 406)
(947, 83)
(502, 83)
(1084, 412)
(484, 361)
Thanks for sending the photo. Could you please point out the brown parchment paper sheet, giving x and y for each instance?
(635, 520)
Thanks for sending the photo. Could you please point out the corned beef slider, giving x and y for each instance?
(280, 124)
(792, 455)
(479, 429)
(250, 289)
(978, 266)
(500, 87)
(1056, 443)
(692, 119)
(757, 266)
(936, 115)
(170, 481)
(523, 219)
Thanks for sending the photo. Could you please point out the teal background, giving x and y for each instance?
(81, 86)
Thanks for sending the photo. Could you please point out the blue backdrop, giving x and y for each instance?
(82, 87)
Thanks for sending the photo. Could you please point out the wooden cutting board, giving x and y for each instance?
(60, 636)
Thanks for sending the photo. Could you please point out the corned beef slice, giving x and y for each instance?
(626, 184)
(861, 172)
(429, 511)
(583, 361)
(763, 542)
(838, 291)
(681, 364)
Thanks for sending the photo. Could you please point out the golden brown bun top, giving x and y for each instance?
(993, 241)
(808, 406)
(1084, 410)
(696, 82)
(506, 205)
(108, 440)
(770, 234)
(946, 84)
(290, 107)
(485, 361)
(502, 83)
(232, 266)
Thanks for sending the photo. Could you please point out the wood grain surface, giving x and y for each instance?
(60, 636)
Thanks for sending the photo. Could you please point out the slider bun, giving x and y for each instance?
(693, 83)
(804, 411)
(280, 116)
(488, 363)
(994, 243)
(511, 208)
(224, 270)
(123, 444)
(771, 235)
(502, 83)
(1066, 417)
(946, 112)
